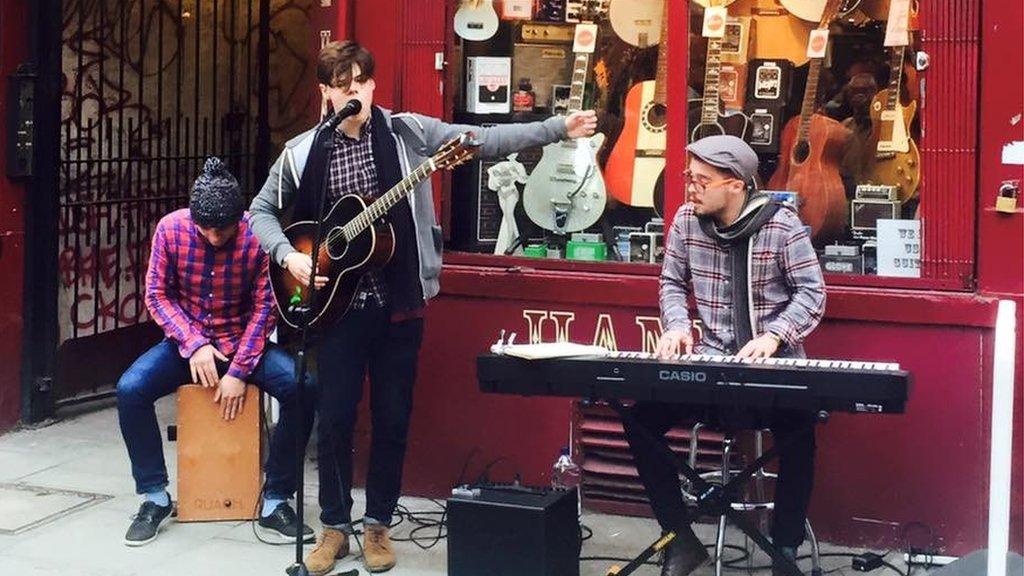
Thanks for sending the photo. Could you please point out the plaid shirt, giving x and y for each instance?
(352, 171)
(201, 295)
(787, 288)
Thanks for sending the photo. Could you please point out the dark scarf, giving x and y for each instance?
(735, 238)
(401, 274)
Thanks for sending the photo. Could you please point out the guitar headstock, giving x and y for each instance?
(456, 151)
(834, 9)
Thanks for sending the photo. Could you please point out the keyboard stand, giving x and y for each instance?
(712, 500)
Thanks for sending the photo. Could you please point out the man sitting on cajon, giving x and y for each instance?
(207, 288)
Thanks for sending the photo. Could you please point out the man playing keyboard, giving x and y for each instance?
(751, 268)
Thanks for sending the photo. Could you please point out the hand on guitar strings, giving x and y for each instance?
(581, 124)
(300, 266)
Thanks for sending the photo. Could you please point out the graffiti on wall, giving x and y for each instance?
(150, 89)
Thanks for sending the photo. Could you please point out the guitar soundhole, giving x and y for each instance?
(656, 116)
(801, 151)
(703, 130)
(336, 243)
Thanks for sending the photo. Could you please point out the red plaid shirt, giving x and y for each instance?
(201, 295)
(788, 291)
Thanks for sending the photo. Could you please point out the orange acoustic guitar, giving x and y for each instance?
(638, 157)
(812, 148)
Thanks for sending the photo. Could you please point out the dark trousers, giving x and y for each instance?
(793, 430)
(365, 339)
(161, 370)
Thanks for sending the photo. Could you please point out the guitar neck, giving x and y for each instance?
(660, 87)
(382, 205)
(895, 78)
(712, 71)
(579, 81)
(810, 97)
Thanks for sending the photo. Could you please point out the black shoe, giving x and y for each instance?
(790, 554)
(281, 526)
(684, 554)
(146, 523)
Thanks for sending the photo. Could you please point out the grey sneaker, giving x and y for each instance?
(146, 523)
(282, 526)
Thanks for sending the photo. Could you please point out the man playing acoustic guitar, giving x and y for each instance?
(383, 327)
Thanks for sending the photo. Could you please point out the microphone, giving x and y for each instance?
(351, 108)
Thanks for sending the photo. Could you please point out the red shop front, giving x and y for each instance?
(879, 479)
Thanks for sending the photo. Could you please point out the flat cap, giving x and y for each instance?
(728, 153)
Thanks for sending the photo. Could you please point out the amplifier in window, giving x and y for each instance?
(842, 259)
(866, 212)
(877, 192)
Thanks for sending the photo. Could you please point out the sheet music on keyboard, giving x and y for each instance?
(545, 350)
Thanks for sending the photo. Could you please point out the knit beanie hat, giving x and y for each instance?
(216, 199)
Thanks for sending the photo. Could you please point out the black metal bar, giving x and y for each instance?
(41, 332)
(263, 89)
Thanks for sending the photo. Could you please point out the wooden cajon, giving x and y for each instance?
(218, 461)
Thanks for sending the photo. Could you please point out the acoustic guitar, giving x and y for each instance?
(707, 119)
(638, 158)
(356, 240)
(779, 35)
(812, 149)
(476, 20)
(896, 160)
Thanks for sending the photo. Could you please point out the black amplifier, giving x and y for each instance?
(513, 531)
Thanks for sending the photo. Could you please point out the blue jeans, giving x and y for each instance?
(161, 370)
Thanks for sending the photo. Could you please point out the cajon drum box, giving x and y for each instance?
(218, 461)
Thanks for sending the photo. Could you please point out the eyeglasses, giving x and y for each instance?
(702, 185)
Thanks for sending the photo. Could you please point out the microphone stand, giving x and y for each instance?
(305, 312)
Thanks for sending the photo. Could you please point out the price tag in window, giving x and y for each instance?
(714, 22)
(585, 38)
(899, 248)
(817, 43)
(896, 27)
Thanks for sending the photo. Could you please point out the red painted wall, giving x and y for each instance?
(875, 474)
(13, 51)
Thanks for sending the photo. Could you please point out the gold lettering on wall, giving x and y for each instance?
(604, 334)
(562, 321)
(535, 323)
(650, 332)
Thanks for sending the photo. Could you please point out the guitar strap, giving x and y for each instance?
(737, 238)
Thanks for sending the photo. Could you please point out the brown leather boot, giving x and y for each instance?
(331, 545)
(378, 553)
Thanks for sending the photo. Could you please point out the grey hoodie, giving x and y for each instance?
(417, 137)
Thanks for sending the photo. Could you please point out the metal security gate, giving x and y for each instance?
(151, 88)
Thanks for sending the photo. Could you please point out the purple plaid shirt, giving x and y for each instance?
(787, 287)
(352, 171)
(201, 295)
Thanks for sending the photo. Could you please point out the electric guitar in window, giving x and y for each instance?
(896, 160)
(708, 119)
(565, 192)
(638, 157)
(476, 20)
(811, 152)
(356, 239)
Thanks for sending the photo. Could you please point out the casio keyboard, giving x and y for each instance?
(828, 385)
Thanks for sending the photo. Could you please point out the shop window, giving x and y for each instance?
(829, 93)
